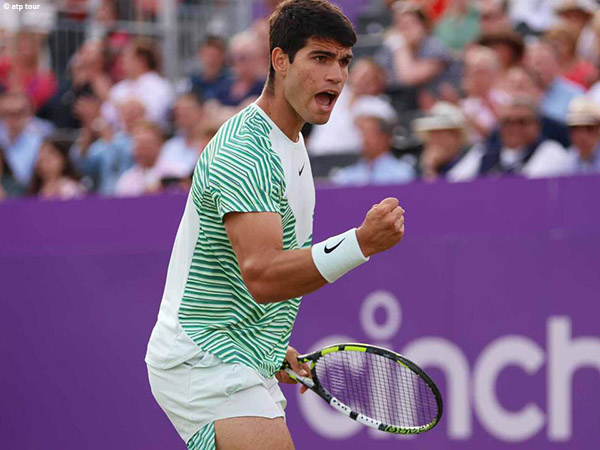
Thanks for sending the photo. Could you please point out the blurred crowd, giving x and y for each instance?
(439, 89)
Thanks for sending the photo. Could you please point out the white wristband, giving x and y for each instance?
(338, 255)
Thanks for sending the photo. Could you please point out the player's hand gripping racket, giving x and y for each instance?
(374, 386)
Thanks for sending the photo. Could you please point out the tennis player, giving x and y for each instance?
(242, 256)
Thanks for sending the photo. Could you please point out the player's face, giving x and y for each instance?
(315, 79)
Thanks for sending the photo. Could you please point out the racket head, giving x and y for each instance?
(377, 387)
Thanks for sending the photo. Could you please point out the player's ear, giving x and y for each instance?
(280, 61)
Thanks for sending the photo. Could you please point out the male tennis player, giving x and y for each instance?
(242, 257)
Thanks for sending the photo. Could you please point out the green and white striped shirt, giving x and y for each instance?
(249, 166)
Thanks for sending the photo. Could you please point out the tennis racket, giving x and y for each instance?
(374, 386)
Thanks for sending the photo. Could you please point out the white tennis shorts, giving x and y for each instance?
(205, 389)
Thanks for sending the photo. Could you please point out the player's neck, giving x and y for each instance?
(275, 105)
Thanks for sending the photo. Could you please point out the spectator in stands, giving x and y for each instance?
(520, 82)
(104, 27)
(54, 176)
(376, 17)
(147, 172)
(248, 77)
(185, 147)
(508, 44)
(584, 122)
(143, 82)
(341, 134)
(377, 164)
(214, 74)
(411, 56)
(19, 137)
(80, 97)
(563, 38)
(106, 158)
(493, 17)
(460, 25)
(444, 134)
(578, 14)
(542, 60)
(522, 149)
(531, 18)
(23, 72)
(591, 50)
(482, 99)
(8, 185)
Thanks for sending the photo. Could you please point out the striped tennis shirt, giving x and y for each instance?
(249, 166)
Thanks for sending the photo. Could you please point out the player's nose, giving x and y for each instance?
(335, 74)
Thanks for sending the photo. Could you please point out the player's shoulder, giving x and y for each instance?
(247, 130)
(244, 139)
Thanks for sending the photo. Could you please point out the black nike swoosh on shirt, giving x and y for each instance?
(329, 250)
(301, 170)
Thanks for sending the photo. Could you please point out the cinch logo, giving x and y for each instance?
(472, 391)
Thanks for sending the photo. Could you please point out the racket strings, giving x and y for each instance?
(378, 387)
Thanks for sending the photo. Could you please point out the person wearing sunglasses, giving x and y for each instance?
(523, 151)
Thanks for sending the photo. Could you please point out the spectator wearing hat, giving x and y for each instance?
(522, 149)
(579, 14)
(445, 144)
(563, 37)
(531, 18)
(377, 165)
(411, 56)
(341, 134)
(507, 43)
(584, 122)
(542, 60)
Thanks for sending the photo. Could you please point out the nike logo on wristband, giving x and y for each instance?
(329, 250)
(301, 170)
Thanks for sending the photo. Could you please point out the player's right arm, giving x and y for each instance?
(272, 274)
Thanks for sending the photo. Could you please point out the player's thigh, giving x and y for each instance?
(252, 433)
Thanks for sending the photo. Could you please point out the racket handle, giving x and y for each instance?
(304, 380)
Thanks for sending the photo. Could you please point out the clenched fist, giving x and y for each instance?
(382, 228)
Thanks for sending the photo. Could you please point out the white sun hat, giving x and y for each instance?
(583, 111)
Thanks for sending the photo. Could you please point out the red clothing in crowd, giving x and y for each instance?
(582, 73)
(40, 86)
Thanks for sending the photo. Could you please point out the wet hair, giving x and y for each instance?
(294, 22)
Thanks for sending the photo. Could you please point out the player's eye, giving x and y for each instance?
(320, 59)
(344, 62)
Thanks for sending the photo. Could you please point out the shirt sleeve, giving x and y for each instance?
(247, 181)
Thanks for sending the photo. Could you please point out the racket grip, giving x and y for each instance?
(304, 380)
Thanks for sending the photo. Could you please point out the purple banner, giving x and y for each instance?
(494, 291)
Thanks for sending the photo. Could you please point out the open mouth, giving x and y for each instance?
(326, 98)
